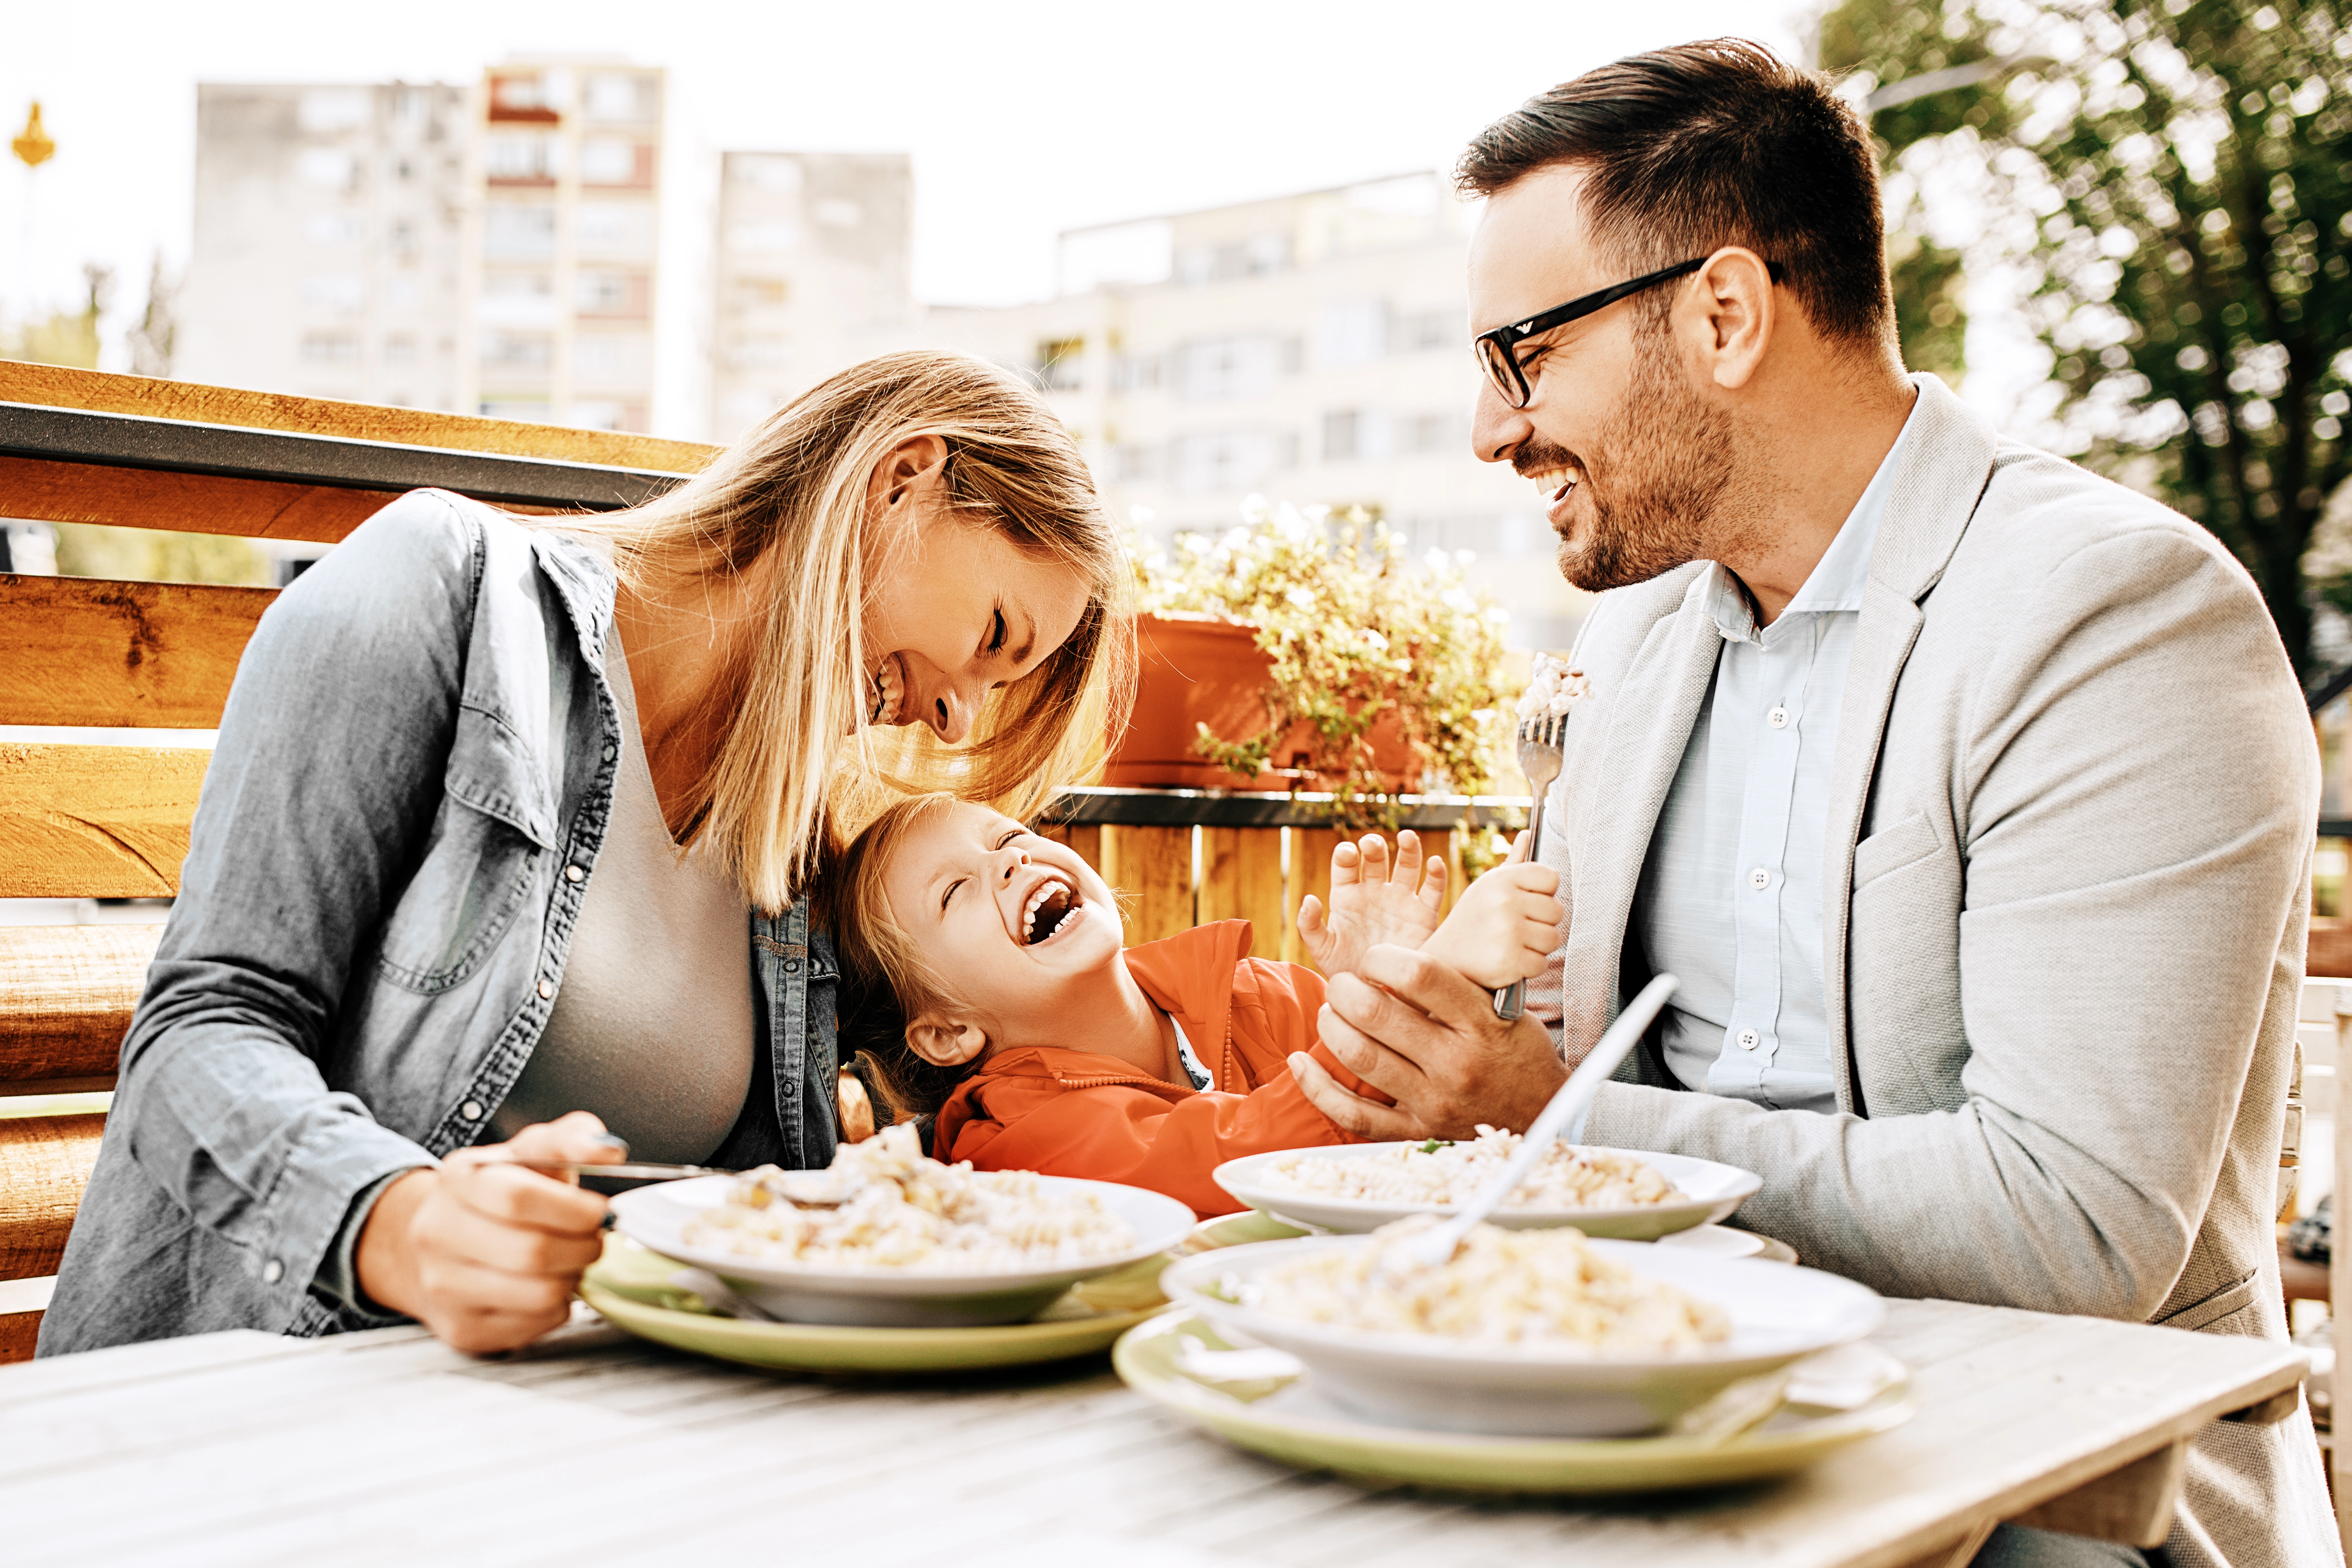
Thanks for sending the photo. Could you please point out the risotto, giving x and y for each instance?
(1543, 1288)
(883, 1204)
(1441, 1173)
(1552, 688)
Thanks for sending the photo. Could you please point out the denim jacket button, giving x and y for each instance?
(791, 967)
(471, 1110)
(611, 750)
(574, 874)
(272, 1272)
(546, 990)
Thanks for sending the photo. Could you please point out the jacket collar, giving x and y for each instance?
(586, 584)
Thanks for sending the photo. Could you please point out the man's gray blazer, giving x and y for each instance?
(2071, 824)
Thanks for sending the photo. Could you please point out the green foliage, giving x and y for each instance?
(1356, 633)
(150, 556)
(1929, 318)
(2171, 176)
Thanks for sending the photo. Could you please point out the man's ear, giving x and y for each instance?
(1733, 294)
(944, 1041)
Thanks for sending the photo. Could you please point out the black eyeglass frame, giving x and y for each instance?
(1495, 349)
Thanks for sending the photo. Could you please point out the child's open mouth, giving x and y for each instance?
(1049, 908)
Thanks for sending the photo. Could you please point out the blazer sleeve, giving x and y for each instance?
(2137, 787)
(315, 809)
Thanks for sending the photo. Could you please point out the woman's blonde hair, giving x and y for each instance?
(797, 762)
(885, 979)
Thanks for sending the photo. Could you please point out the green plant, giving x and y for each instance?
(1357, 634)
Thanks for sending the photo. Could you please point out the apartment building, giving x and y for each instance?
(560, 246)
(327, 254)
(811, 274)
(1309, 349)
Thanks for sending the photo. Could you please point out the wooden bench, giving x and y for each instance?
(111, 822)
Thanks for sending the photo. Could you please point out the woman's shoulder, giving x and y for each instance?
(427, 544)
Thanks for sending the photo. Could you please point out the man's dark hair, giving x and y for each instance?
(1707, 144)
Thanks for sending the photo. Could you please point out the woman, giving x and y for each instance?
(503, 844)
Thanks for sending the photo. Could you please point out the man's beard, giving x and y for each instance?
(1660, 469)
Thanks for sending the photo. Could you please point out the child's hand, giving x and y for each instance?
(1506, 925)
(1372, 903)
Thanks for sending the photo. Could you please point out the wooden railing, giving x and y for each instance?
(97, 821)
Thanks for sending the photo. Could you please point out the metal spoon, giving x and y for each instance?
(1433, 1247)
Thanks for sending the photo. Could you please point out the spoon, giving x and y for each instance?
(1433, 1247)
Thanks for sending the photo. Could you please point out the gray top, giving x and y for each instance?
(659, 972)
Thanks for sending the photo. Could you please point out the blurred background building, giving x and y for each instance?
(329, 247)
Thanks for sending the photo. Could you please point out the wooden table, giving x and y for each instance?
(386, 1448)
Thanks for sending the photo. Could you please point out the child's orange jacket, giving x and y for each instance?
(1076, 1113)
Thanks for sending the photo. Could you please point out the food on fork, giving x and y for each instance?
(1545, 1290)
(1439, 1172)
(885, 1205)
(1552, 688)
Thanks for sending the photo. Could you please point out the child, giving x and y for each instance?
(1045, 1046)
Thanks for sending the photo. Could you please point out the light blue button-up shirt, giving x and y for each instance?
(1731, 897)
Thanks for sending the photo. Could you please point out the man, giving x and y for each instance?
(1970, 797)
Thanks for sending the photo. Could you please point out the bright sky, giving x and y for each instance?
(1024, 117)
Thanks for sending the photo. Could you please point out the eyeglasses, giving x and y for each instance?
(1496, 349)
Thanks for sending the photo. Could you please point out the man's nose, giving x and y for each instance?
(1496, 429)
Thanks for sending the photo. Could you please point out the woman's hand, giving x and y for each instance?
(1372, 903)
(482, 1251)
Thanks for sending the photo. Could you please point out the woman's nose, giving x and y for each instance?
(952, 708)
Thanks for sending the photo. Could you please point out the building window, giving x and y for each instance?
(400, 349)
(1056, 367)
(520, 95)
(611, 293)
(1234, 461)
(1136, 463)
(518, 230)
(334, 228)
(518, 351)
(329, 168)
(623, 96)
(334, 290)
(521, 158)
(1240, 366)
(616, 160)
(1351, 331)
(1339, 435)
(1429, 330)
(330, 348)
(760, 293)
(1426, 433)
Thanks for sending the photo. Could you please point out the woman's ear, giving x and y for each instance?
(944, 1041)
(902, 464)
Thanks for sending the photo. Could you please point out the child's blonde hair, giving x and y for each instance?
(885, 978)
(798, 485)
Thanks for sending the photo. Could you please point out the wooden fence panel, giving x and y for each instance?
(45, 1164)
(96, 822)
(1241, 878)
(77, 650)
(1153, 867)
(45, 490)
(1310, 872)
(66, 997)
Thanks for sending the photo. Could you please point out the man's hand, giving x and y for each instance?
(482, 1251)
(1427, 1037)
(1372, 903)
(1504, 926)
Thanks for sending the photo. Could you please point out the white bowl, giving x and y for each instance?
(1711, 1191)
(1779, 1313)
(893, 1298)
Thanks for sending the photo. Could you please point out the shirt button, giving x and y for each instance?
(471, 1110)
(1777, 718)
(1750, 1039)
(1759, 879)
(611, 750)
(272, 1272)
(574, 874)
(546, 990)
(791, 967)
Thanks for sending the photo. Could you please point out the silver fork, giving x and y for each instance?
(1540, 741)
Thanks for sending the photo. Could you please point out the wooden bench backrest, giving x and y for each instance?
(100, 821)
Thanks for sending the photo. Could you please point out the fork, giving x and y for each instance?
(1540, 739)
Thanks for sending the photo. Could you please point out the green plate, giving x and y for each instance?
(1239, 1230)
(630, 1287)
(1278, 1418)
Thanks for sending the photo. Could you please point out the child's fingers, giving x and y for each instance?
(1407, 858)
(1346, 864)
(1519, 851)
(1310, 916)
(1375, 850)
(1433, 883)
(1543, 880)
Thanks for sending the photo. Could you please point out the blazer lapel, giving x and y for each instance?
(1625, 787)
(1947, 462)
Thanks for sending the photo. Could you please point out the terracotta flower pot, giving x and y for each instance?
(1197, 670)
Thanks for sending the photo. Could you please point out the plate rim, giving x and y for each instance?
(1719, 1207)
(1751, 1455)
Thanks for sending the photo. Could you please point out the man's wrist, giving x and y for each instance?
(386, 1258)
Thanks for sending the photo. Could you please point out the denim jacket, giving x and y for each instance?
(411, 780)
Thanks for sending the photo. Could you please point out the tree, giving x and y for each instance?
(2168, 179)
